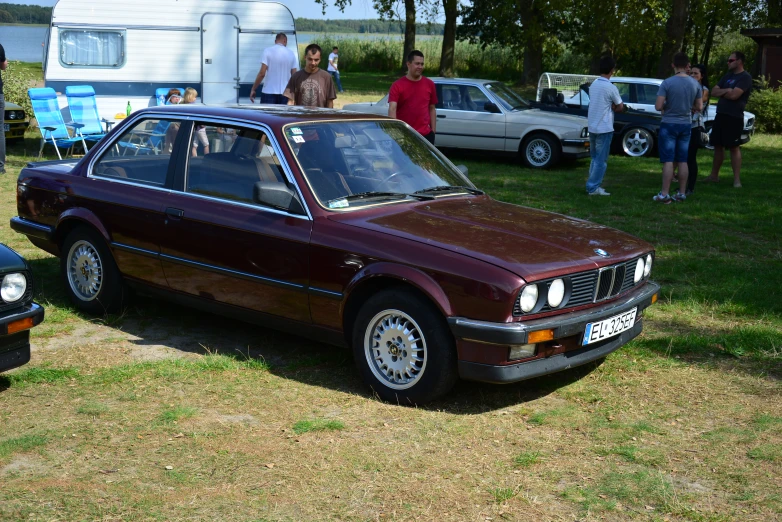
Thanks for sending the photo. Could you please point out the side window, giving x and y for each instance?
(226, 162)
(141, 154)
(646, 93)
(474, 99)
(452, 98)
(624, 91)
(91, 48)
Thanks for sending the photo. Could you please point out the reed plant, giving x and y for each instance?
(385, 55)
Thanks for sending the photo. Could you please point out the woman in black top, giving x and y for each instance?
(698, 73)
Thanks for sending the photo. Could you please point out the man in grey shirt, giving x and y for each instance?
(677, 97)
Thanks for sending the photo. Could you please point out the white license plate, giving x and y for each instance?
(609, 327)
(6, 127)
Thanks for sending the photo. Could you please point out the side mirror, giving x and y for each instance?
(491, 107)
(277, 195)
(463, 170)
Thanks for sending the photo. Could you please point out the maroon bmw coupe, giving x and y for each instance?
(342, 227)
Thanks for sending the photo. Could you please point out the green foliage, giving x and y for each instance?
(36, 375)
(526, 459)
(176, 413)
(359, 55)
(766, 104)
(503, 494)
(305, 426)
(25, 14)
(373, 26)
(16, 81)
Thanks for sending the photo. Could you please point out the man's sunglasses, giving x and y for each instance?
(731, 60)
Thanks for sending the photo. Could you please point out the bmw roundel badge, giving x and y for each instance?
(602, 253)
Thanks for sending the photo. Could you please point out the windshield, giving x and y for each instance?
(357, 163)
(508, 99)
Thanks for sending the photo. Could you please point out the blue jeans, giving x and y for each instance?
(599, 147)
(335, 75)
(2, 134)
(674, 142)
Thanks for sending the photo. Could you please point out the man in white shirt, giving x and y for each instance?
(333, 67)
(604, 101)
(277, 66)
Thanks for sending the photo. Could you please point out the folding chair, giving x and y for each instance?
(84, 110)
(51, 124)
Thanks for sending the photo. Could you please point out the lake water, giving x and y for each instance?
(24, 42)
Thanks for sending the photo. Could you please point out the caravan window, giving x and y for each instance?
(92, 48)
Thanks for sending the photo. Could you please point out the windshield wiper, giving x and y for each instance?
(376, 194)
(450, 188)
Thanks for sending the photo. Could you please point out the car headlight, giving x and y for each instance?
(11, 115)
(13, 287)
(648, 265)
(585, 132)
(556, 292)
(639, 270)
(528, 298)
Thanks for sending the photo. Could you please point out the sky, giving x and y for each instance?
(300, 8)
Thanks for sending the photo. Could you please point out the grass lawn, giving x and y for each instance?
(167, 414)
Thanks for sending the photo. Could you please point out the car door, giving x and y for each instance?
(221, 246)
(131, 179)
(463, 121)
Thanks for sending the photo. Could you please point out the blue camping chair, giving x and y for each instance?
(50, 123)
(84, 110)
(160, 94)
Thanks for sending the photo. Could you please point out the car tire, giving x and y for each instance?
(540, 151)
(403, 348)
(637, 142)
(92, 280)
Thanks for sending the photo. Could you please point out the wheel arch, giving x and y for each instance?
(76, 217)
(538, 130)
(374, 279)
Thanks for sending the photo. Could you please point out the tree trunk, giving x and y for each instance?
(774, 12)
(409, 31)
(533, 62)
(709, 41)
(674, 35)
(696, 41)
(451, 8)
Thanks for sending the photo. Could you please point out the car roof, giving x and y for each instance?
(473, 81)
(633, 79)
(273, 115)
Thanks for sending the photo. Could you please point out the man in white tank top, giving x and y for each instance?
(277, 66)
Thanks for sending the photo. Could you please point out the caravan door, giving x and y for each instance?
(220, 58)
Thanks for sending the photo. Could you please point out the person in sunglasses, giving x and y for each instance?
(733, 91)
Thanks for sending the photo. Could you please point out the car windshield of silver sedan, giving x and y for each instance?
(508, 99)
(351, 164)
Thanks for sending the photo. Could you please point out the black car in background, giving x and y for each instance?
(635, 131)
(18, 312)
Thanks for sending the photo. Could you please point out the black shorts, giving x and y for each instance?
(726, 131)
(430, 137)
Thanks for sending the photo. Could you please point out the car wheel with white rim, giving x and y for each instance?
(540, 151)
(92, 279)
(637, 142)
(403, 348)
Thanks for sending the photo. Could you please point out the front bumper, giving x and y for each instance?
(575, 149)
(15, 347)
(565, 326)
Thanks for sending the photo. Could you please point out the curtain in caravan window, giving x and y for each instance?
(92, 48)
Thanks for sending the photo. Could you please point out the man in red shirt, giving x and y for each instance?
(413, 97)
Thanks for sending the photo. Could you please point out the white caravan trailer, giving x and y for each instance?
(126, 49)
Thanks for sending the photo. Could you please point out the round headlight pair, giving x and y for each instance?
(11, 115)
(529, 295)
(642, 268)
(13, 287)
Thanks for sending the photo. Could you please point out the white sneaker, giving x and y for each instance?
(599, 191)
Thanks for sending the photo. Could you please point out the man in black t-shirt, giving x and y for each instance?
(3, 66)
(733, 91)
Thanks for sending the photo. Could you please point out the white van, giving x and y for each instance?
(127, 49)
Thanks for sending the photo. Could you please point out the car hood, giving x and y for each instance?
(552, 118)
(531, 243)
(10, 261)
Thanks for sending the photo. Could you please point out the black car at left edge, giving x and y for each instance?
(18, 312)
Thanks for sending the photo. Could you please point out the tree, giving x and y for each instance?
(447, 58)
(674, 36)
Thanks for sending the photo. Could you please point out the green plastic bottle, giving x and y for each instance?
(128, 109)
